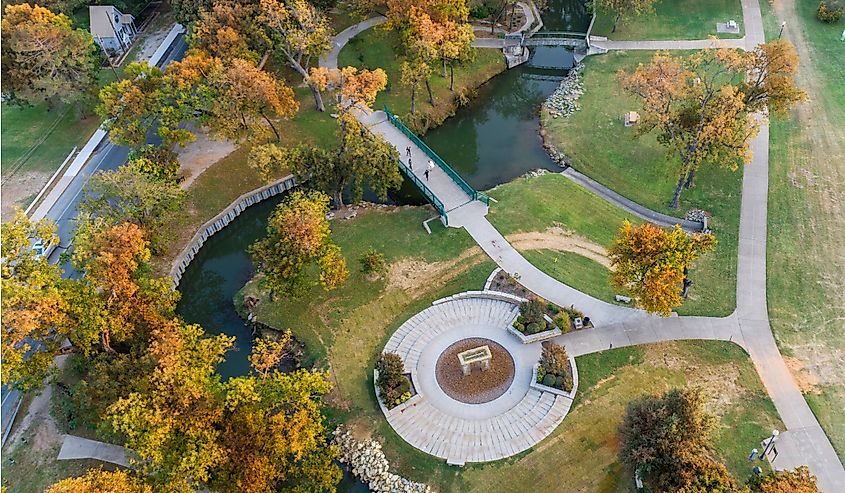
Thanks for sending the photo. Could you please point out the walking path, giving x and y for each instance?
(75, 447)
(689, 44)
(804, 442)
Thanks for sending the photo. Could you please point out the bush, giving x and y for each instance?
(830, 11)
(372, 262)
(573, 312)
(552, 308)
(563, 322)
(480, 11)
(549, 380)
(393, 386)
(554, 359)
(531, 312)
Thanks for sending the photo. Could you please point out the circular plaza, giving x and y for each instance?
(474, 398)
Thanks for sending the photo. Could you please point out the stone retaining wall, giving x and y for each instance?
(221, 220)
(545, 388)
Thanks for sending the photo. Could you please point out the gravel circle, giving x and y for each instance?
(479, 386)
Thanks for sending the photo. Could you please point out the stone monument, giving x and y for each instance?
(480, 355)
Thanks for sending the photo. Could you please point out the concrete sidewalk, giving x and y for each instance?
(75, 447)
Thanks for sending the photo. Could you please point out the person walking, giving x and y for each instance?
(430, 165)
(408, 151)
(426, 174)
(410, 166)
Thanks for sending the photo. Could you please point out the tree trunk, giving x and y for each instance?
(615, 21)
(443, 67)
(275, 132)
(413, 99)
(688, 184)
(338, 199)
(430, 97)
(451, 77)
(318, 98)
(105, 341)
(676, 198)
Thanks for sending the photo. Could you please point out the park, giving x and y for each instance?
(426, 246)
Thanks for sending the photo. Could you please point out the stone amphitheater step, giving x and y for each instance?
(460, 440)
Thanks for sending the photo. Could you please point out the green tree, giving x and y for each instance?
(34, 303)
(412, 73)
(188, 11)
(127, 194)
(299, 236)
(44, 58)
(157, 161)
(660, 434)
(651, 263)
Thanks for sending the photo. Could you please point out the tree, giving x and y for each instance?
(145, 100)
(99, 481)
(624, 8)
(188, 11)
(301, 34)
(830, 11)
(127, 194)
(702, 474)
(273, 435)
(799, 480)
(660, 434)
(267, 354)
(355, 87)
(298, 236)
(412, 73)
(34, 304)
(231, 29)
(446, 40)
(174, 428)
(44, 58)
(700, 105)
(158, 162)
(651, 263)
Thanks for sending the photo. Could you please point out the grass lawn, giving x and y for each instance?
(805, 263)
(674, 19)
(379, 48)
(638, 168)
(524, 206)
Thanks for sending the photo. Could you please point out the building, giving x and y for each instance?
(112, 29)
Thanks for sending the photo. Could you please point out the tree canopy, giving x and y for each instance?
(44, 57)
(99, 481)
(622, 9)
(651, 263)
(298, 237)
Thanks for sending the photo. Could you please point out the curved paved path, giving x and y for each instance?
(458, 432)
(804, 442)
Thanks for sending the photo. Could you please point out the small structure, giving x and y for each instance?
(731, 27)
(112, 29)
(481, 355)
(631, 118)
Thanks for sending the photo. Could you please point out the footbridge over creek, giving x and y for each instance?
(441, 185)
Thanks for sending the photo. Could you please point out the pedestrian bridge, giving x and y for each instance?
(443, 187)
(557, 38)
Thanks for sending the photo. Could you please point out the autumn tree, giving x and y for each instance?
(100, 481)
(798, 480)
(128, 194)
(661, 434)
(273, 436)
(650, 263)
(156, 161)
(623, 9)
(231, 29)
(174, 428)
(44, 57)
(701, 473)
(267, 354)
(143, 101)
(700, 105)
(301, 34)
(412, 73)
(448, 41)
(34, 303)
(298, 237)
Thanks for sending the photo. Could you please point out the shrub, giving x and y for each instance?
(552, 308)
(393, 386)
(531, 312)
(541, 372)
(480, 11)
(830, 11)
(563, 322)
(554, 359)
(549, 380)
(372, 262)
(573, 312)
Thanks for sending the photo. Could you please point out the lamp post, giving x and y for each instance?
(770, 444)
(782, 25)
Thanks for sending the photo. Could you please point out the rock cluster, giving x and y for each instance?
(696, 215)
(369, 464)
(351, 211)
(535, 172)
(564, 100)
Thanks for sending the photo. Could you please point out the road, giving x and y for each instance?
(106, 157)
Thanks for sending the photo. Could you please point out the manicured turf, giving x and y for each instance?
(536, 204)
(806, 213)
(380, 48)
(674, 19)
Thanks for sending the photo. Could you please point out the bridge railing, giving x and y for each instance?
(559, 34)
(473, 194)
(437, 203)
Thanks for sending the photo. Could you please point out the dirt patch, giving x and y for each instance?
(806, 380)
(415, 276)
(20, 187)
(560, 240)
(200, 155)
(479, 386)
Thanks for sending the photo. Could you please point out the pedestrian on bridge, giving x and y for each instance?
(408, 151)
(410, 166)
(426, 174)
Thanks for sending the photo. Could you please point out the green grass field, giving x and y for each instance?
(377, 47)
(524, 205)
(806, 197)
(674, 19)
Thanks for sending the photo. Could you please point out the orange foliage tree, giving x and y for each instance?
(650, 263)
